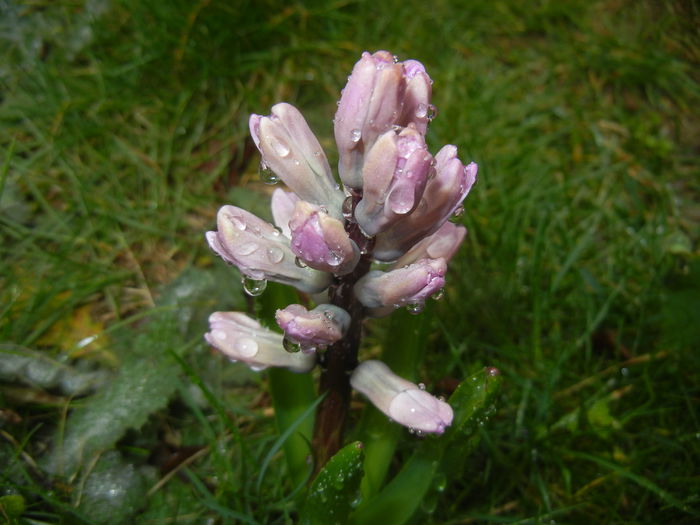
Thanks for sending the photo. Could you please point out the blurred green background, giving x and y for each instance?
(123, 128)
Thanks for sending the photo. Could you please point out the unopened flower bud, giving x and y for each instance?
(416, 107)
(403, 286)
(444, 243)
(292, 151)
(369, 105)
(260, 251)
(395, 173)
(443, 194)
(320, 327)
(401, 400)
(321, 241)
(282, 204)
(243, 339)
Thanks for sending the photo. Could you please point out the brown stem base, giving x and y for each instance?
(337, 363)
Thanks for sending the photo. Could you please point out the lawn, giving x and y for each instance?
(124, 128)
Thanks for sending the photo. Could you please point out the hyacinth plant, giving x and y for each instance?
(374, 241)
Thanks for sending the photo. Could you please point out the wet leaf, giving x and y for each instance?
(336, 489)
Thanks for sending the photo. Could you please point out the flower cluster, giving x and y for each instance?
(382, 232)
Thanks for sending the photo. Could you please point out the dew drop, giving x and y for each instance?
(415, 308)
(421, 386)
(411, 430)
(329, 315)
(440, 482)
(238, 222)
(267, 175)
(246, 248)
(275, 255)
(438, 295)
(334, 258)
(432, 112)
(421, 110)
(280, 148)
(300, 263)
(459, 211)
(290, 345)
(218, 334)
(245, 347)
(253, 287)
(347, 207)
(355, 135)
(395, 59)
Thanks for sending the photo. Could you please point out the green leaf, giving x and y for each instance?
(472, 402)
(12, 506)
(147, 378)
(335, 490)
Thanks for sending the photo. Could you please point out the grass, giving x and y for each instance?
(124, 127)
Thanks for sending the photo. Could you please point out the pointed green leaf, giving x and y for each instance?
(335, 490)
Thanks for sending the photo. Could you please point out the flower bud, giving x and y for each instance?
(443, 194)
(321, 241)
(282, 204)
(291, 150)
(401, 400)
(260, 251)
(320, 327)
(243, 339)
(369, 105)
(444, 243)
(403, 286)
(416, 106)
(394, 176)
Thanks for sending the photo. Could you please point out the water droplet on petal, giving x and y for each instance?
(267, 175)
(347, 207)
(245, 249)
(421, 386)
(238, 222)
(300, 263)
(218, 334)
(421, 110)
(395, 59)
(279, 147)
(415, 308)
(334, 258)
(439, 294)
(245, 347)
(459, 211)
(355, 135)
(290, 345)
(432, 112)
(329, 315)
(275, 255)
(253, 287)
(411, 430)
